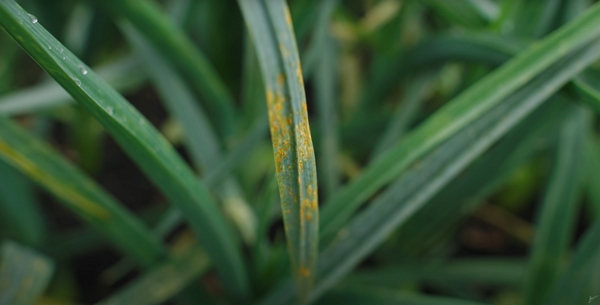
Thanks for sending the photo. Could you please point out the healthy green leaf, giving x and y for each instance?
(78, 193)
(123, 74)
(472, 271)
(24, 274)
(404, 115)
(465, 193)
(586, 86)
(558, 214)
(458, 114)
(469, 13)
(161, 283)
(200, 138)
(138, 138)
(326, 99)
(147, 18)
(579, 282)
(467, 46)
(357, 295)
(592, 166)
(20, 214)
(534, 19)
(321, 38)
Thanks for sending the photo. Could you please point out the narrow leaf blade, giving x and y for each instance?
(270, 26)
(144, 144)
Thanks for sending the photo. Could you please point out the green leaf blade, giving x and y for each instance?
(457, 114)
(78, 192)
(24, 274)
(270, 25)
(19, 210)
(174, 44)
(436, 169)
(170, 278)
(557, 218)
(153, 154)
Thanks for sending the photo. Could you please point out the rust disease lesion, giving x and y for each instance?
(294, 153)
(303, 271)
(288, 16)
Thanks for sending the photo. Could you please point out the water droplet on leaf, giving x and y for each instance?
(33, 18)
(83, 69)
(77, 81)
(110, 110)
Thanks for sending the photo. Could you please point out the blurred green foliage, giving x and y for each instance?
(455, 159)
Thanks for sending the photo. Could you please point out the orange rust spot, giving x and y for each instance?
(288, 17)
(287, 212)
(284, 51)
(280, 79)
(308, 216)
(311, 191)
(269, 96)
(299, 74)
(303, 271)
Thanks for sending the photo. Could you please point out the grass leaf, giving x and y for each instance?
(593, 166)
(327, 102)
(458, 114)
(270, 27)
(20, 213)
(579, 282)
(24, 274)
(138, 138)
(469, 13)
(200, 138)
(147, 18)
(558, 214)
(433, 171)
(164, 281)
(78, 193)
(492, 271)
(356, 295)
(122, 74)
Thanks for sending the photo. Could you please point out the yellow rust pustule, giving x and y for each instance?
(288, 16)
(304, 272)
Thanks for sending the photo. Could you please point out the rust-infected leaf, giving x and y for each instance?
(270, 26)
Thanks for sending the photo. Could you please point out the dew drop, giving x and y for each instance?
(110, 110)
(83, 69)
(33, 18)
(49, 48)
(77, 81)
(64, 57)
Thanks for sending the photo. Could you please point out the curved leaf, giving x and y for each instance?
(433, 171)
(180, 50)
(138, 138)
(458, 114)
(24, 275)
(123, 74)
(20, 214)
(558, 214)
(78, 192)
(270, 26)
